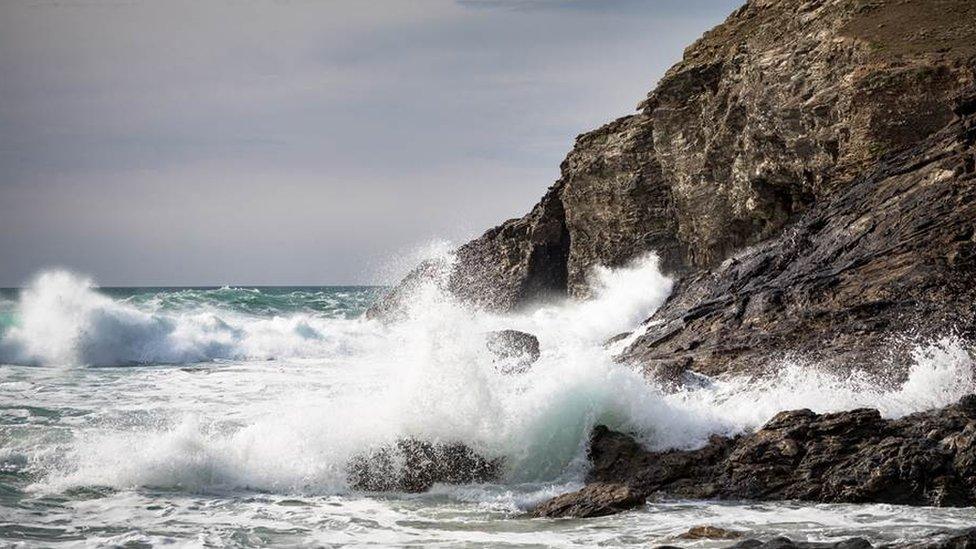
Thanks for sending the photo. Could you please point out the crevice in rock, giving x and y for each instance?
(548, 265)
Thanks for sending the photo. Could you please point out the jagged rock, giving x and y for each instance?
(807, 172)
(928, 458)
(595, 500)
(516, 350)
(710, 532)
(413, 465)
(781, 105)
(893, 252)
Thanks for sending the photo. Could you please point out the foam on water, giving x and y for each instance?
(63, 321)
(430, 376)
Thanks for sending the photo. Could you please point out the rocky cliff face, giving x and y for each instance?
(806, 172)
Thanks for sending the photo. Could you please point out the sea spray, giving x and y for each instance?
(341, 387)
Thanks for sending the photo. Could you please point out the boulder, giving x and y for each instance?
(594, 500)
(412, 465)
(710, 532)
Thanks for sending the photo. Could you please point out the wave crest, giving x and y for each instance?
(62, 320)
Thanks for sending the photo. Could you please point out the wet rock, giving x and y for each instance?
(515, 350)
(710, 532)
(893, 252)
(673, 375)
(928, 458)
(394, 305)
(413, 465)
(962, 539)
(787, 543)
(595, 500)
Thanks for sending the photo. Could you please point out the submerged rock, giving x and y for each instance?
(962, 539)
(710, 532)
(516, 350)
(413, 465)
(787, 543)
(927, 458)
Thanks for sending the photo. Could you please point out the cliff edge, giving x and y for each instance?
(807, 173)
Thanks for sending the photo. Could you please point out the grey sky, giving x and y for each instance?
(299, 142)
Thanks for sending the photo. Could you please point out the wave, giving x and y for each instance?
(428, 376)
(61, 319)
(338, 302)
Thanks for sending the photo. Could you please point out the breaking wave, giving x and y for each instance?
(429, 375)
(61, 319)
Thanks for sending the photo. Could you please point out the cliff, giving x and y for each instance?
(806, 173)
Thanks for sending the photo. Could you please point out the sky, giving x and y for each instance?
(176, 142)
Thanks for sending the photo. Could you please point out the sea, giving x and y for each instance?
(227, 417)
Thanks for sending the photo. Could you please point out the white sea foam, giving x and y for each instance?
(64, 321)
(430, 376)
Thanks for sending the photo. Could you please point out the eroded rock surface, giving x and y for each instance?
(786, 105)
(927, 458)
(890, 253)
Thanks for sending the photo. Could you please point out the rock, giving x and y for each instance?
(928, 458)
(808, 177)
(786, 543)
(595, 500)
(516, 350)
(673, 375)
(963, 539)
(893, 252)
(710, 532)
(413, 465)
(393, 305)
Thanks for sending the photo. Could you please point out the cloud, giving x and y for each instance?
(661, 8)
(236, 141)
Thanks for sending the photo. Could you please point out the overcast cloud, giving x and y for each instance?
(293, 142)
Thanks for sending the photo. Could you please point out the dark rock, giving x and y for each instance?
(927, 458)
(963, 539)
(786, 543)
(415, 465)
(892, 252)
(807, 175)
(674, 374)
(516, 350)
(767, 113)
(595, 500)
(710, 532)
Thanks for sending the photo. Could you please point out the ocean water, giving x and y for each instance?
(225, 417)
